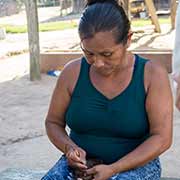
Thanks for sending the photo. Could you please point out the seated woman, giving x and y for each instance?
(117, 105)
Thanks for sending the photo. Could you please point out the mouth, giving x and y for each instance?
(104, 70)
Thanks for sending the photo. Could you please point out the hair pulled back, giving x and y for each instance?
(102, 16)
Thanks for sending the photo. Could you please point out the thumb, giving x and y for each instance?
(83, 158)
(82, 155)
(91, 171)
(74, 157)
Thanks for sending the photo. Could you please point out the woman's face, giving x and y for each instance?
(104, 53)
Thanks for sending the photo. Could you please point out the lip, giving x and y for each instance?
(103, 70)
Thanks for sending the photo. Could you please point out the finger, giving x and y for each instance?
(73, 156)
(74, 160)
(78, 165)
(79, 157)
(96, 177)
(82, 155)
(83, 159)
(91, 171)
(77, 153)
(88, 177)
(81, 166)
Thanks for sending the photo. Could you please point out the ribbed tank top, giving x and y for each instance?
(108, 129)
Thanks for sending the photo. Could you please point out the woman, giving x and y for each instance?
(117, 105)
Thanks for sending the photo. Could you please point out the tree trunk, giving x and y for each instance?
(126, 6)
(78, 6)
(154, 18)
(173, 13)
(33, 36)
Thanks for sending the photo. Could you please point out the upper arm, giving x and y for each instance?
(62, 93)
(159, 103)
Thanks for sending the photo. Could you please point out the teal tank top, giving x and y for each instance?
(108, 129)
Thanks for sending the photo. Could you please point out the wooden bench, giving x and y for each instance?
(54, 60)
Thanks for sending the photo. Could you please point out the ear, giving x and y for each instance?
(129, 39)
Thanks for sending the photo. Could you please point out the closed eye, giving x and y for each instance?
(89, 53)
(106, 54)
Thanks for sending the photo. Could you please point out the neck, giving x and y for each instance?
(126, 66)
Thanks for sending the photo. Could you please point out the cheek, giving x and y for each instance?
(114, 61)
(89, 60)
(120, 54)
(119, 58)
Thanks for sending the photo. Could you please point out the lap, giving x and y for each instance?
(60, 171)
(150, 171)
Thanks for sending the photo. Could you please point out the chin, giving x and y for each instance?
(105, 72)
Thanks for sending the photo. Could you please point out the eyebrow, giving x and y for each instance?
(85, 50)
(105, 51)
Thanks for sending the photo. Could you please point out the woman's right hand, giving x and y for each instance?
(76, 157)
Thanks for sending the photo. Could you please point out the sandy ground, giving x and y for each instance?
(63, 40)
(23, 109)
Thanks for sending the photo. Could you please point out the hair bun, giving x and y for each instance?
(90, 2)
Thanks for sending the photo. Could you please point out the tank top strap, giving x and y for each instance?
(139, 65)
(82, 82)
(138, 75)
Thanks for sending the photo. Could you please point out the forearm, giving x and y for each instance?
(144, 153)
(59, 137)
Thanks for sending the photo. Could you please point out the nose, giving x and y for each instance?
(98, 62)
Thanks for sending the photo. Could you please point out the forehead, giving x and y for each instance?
(100, 41)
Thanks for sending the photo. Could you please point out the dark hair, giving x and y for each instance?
(104, 15)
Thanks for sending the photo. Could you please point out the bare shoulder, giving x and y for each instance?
(155, 67)
(155, 73)
(70, 74)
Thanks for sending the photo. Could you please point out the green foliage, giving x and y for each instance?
(145, 22)
(62, 25)
(52, 26)
(14, 29)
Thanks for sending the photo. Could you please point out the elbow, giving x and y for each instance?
(46, 125)
(169, 143)
(49, 125)
(166, 143)
(53, 123)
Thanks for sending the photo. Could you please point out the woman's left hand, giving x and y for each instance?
(100, 172)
